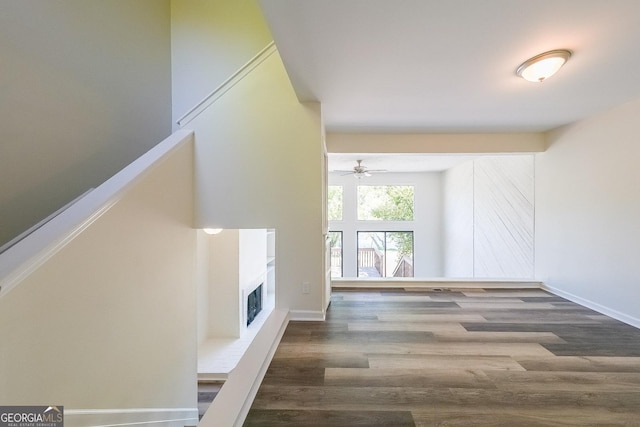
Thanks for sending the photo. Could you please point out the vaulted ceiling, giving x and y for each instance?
(449, 65)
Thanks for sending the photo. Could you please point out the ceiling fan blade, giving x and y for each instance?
(359, 170)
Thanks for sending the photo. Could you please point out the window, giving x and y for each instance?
(334, 202)
(385, 254)
(335, 238)
(385, 202)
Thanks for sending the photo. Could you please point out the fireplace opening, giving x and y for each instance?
(254, 304)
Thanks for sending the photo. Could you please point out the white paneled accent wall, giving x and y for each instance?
(503, 217)
(489, 218)
(458, 221)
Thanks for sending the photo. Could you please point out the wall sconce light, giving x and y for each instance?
(543, 66)
(212, 230)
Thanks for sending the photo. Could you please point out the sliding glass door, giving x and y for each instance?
(385, 254)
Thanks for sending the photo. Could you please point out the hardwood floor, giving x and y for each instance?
(455, 358)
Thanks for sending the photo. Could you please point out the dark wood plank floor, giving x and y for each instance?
(454, 358)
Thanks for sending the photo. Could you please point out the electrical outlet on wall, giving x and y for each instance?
(306, 287)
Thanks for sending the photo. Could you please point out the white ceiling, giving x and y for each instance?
(448, 65)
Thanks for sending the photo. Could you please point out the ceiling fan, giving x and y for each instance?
(360, 171)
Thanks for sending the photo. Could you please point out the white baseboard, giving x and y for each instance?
(307, 315)
(629, 320)
(436, 283)
(156, 417)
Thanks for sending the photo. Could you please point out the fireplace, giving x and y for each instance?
(254, 304)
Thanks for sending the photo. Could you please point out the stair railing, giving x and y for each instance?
(227, 84)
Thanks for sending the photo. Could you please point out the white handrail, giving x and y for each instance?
(33, 228)
(227, 84)
(35, 249)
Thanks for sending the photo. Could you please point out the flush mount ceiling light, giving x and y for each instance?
(212, 230)
(543, 66)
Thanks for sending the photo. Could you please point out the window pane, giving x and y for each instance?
(334, 203)
(399, 256)
(385, 202)
(385, 254)
(335, 238)
(371, 254)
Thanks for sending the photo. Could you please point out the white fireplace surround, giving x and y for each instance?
(235, 262)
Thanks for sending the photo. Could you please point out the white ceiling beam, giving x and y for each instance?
(436, 143)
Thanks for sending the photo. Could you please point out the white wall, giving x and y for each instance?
(224, 308)
(211, 40)
(458, 220)
(587, 211)
(237, 262)
(86, 89)
(108, 322)
(489, 220)
(258, 149)
(427, 224)
(253, 257)
(203, 254)
(258, 152)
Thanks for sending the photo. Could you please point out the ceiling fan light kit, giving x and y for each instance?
(541, 67)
